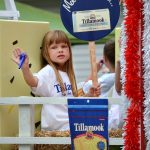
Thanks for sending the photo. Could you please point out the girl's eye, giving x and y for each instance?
(64, 46)
(53, 47)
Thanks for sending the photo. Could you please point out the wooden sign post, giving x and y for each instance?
(92, 49)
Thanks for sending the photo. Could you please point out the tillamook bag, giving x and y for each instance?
(88, 120)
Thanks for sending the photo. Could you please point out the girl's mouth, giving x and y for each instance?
(61, 56)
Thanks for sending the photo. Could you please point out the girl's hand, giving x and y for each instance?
(94, 91)
(16, 58)
(100, 64)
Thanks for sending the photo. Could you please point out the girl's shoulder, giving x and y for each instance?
(108, 77)
(47, 70)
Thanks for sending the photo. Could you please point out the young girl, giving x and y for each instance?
(56, 79)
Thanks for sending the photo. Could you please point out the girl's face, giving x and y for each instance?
(59, 53)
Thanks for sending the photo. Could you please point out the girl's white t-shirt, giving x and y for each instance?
(53, 117)
(106, 82)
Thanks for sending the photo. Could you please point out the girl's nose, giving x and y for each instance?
(60, 50)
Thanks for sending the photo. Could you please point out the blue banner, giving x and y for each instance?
(88, 120)
(90, 20)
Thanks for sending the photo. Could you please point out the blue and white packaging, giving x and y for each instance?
(88, 120)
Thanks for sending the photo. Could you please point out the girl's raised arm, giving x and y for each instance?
(31, 80)
(118, 84)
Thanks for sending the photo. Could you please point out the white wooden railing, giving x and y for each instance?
(26, 122)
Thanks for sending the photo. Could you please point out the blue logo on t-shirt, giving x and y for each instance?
(68, 88)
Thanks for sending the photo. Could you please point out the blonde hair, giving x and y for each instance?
(58, 36)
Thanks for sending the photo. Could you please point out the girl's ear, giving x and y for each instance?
(106, 62)
(105, 59)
